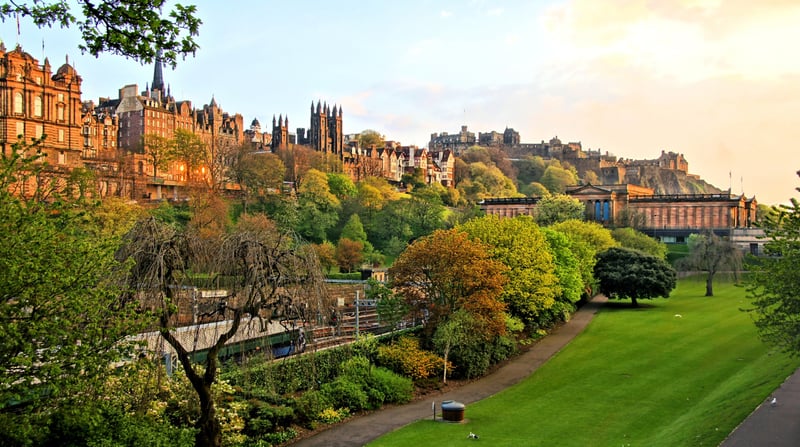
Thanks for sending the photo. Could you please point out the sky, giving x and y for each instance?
(715, 80)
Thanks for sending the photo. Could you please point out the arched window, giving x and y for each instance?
(18, 103)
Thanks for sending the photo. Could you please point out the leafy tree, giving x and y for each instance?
(558, 208)
(630, 238)
(258, 174)
(486, 181)
(590, 177)
(774, 283)
(568, 269)
(446, 271)
(318, 207)
(556, 179)
(391, 308)
(190, 149)
(625, 273)
(532, 285)
(135, 29)
(535, 189)
(275, 278)
(586, 240)
(370, 138)
(349, 254)
(341, 186)
(159, 151)
(354, 231)
(711, 254)
(62, 318)
(530, 169)
(459, 329)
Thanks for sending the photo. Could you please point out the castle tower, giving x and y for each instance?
(280, 133)
(335, 133)
(318, 131)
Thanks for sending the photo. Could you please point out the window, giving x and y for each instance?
(60, 112)
(18, 103)
(20, 129)
(39, 131)
(60, 97)
(62, 158)
(37, 106)
(60, 135)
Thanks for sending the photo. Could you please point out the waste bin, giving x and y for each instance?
(452, 411)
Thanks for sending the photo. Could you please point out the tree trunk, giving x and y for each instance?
(710, 284)
(634, 303)
(210, 430)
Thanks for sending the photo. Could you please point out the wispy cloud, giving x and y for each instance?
(445, 14)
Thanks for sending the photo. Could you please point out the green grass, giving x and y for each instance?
(639, 377)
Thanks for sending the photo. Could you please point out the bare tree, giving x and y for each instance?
(270, 277)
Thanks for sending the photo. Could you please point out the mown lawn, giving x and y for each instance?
(638, 377)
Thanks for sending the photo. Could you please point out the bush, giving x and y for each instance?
(343, 392)
(405, 357)
(310, 405)
(395, 388)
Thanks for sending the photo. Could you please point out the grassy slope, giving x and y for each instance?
(634, 377)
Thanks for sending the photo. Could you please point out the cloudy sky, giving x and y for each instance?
(715, 80)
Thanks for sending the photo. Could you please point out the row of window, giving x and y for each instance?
(19, 108)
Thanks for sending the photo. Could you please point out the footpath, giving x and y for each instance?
(364, 429)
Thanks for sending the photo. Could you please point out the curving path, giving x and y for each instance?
(364, 429)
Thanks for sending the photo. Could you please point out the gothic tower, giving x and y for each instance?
(280, 133)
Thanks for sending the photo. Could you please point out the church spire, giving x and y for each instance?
(158, 75)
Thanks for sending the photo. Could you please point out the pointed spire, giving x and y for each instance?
(312, 106)
(273, 120)
(340, 111)
(280, 120)
(319, 106)
(158, 75)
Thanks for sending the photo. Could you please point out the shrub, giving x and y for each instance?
(310, 405)
(343, 392)
(332, 416)
(406, 357)
(395, 388)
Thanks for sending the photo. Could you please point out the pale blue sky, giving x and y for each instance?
(716, 80)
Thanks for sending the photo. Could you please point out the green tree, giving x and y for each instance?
(370, 138)
(326, 254)
(625, 273)
(135, 29)
(446, 271)
(318, 207)
(486, 181)
(711, 254)
(568, 269)
(159, 151)
(391, 308)
(535, 189)
(258, 175)
(556, 179)
(558, 208)
(774, 283)
(532, 285)
(459, 329)
(341, 186)
(190, 149)
(353, 230)
(62, 317)
(530, 169)
(630, 238)
(586, 240)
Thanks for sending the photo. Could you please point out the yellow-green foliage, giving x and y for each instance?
(407, 358)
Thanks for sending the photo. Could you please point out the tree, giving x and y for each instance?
(532, 285)
(459, 329)
(349, 254)
(139, 30)
(318, 207)
(486, 181)
(625, 273)
(391, 308)
(370, 139)
(62, 319)
(558, 208)
(353, 230)
(446, 271)
(586, 240)
(190, 149)
(711, 254)
(159, 151)
(630, 238)
(326, 254)
(258, 174)
(556, 179)
(341, 186)
(774, 283)
(273, 277)
(568, 270)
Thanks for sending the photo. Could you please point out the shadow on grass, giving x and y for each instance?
(626, 306)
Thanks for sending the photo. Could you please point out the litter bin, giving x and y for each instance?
(452, 411)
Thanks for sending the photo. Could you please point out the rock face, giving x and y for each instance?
(669, 181)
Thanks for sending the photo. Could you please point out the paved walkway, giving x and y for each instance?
(362, 430)
(771, 425)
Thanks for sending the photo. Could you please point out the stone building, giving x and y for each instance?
(37, 103)
(456, 142)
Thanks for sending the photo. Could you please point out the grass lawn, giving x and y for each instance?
(638, 377)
